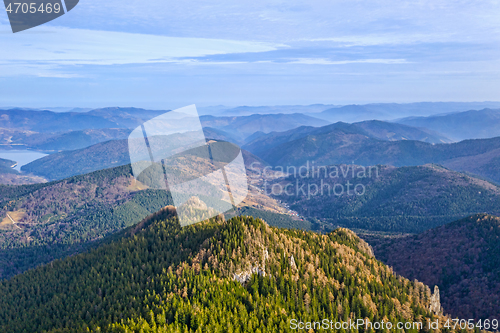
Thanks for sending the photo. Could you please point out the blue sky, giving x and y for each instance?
(164, 54)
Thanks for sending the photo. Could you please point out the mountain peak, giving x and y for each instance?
(178, 277)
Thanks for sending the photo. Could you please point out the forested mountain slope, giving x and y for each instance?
(335, 144)
(56, 219)
(462, 258)
(43, 222)
(100, 156)
(384, 198)
(161, 278)
(65, 140)
(69, 163)
(6, 166)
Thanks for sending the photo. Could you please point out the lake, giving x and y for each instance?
(22, 157)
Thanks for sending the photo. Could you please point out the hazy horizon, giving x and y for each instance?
(254, 53)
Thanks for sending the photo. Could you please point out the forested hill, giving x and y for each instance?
(6, 166)
(64, 217)
(161, 278)
(462, 258)
(406, 199)
(104, 155)
(334, 144)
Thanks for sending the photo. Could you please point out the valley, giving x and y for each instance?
(250, 167)
(88, 235)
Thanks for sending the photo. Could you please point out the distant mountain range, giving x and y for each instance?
(72, 140)
(217, 134)
(242, 127)
(53, 109)
(129, 118)
(54, 131)
(462, 125)
(462, 258)
(451, 125)
(222, 111)
(397, 132)
(12, 138)
(261, 142)
(391, 111)
(342, 143)
(48, 121)
(126, 117)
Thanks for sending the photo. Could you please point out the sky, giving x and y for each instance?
(165, 54)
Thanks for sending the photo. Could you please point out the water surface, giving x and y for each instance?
(22, 157)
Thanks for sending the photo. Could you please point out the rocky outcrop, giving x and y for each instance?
(435, 305)
(244, 277)
(292, 263)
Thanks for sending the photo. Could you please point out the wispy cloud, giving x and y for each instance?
(58, 75)
(396, 38)
(297, 61)
(319, 61)
(285, 21)
(246, 50)
(66, 46)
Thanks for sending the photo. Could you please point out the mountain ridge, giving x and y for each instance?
(392, 111)
(344, 146)
(170, 278)
(374, 129)
(472, 124)
(385, 198)
(244, 126)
